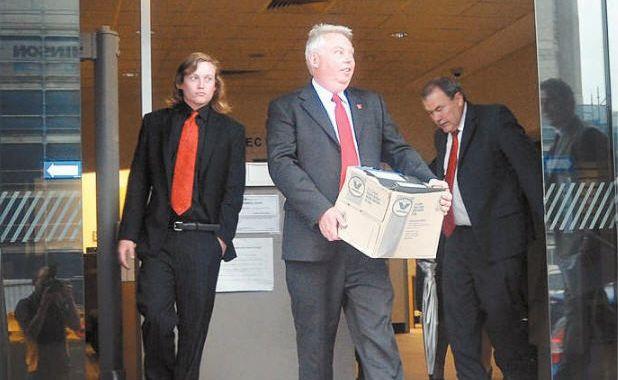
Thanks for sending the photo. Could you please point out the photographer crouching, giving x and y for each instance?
(43, 317)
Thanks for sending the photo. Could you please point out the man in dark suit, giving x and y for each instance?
(180, 215)
(314, 134)
(494, 174)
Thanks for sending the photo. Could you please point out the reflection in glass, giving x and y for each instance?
(582, 270)
(40, 218)
(579, 189)
(43, 317)
(45, 314)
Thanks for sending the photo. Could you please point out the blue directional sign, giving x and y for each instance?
(62, 169)
(558, 164)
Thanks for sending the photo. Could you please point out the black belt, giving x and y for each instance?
(194, 226)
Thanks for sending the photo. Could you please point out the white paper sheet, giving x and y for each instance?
(259, 214)
(252, 270)
(256, 175)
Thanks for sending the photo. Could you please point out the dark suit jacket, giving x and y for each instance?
(499, 177)
(304, 160)
(147, 212)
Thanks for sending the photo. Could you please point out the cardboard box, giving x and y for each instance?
(390, 215)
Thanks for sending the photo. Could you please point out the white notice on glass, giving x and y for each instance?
(259, 214)
(252, 270)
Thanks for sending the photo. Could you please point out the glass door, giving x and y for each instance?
(578, 149)
(40, 191)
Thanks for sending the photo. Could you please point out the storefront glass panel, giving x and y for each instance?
(41, 303)
(579, 176)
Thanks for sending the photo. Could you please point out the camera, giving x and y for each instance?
(52, 285)
(49, 282)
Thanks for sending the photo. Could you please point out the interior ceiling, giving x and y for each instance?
(264, 48)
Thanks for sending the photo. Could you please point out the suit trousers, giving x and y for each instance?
(361, 286)
(176, 288)
(479, 293)
(442, 336)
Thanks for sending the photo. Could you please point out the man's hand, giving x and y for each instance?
(126, 250)
(447, 198)
(223, 246)
(329, 222)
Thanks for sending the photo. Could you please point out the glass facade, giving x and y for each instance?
(40, 190)
(578, 132)
(43, 87)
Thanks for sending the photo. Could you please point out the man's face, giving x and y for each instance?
(199, 86)
(333, 63)
(556, 113)
(41, 276)
(444, 112)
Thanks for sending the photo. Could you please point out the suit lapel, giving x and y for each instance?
(171, 136)
(214, 125)
(313, 106)
(468, 132)
(359, 119)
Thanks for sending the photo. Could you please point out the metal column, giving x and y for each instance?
(108, 270)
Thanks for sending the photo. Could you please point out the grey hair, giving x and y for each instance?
(316, 34)
(446, 84)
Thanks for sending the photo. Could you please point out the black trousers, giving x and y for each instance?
(176, 288)
(478, 293)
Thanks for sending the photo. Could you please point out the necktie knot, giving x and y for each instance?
(193, 115)
(336, 99)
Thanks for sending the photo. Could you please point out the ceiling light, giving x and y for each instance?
(399, 35)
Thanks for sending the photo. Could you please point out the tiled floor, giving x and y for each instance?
(413, 357)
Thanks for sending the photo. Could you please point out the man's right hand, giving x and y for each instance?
(126, 250)
(329, 223)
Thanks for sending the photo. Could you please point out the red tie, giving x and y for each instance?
(184, 170)
(448, 226)
(349, 157)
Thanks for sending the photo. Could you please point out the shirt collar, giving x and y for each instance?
(187, 110)
(326, 96)
(462, 122)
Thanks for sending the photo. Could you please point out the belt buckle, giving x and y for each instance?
(177, 226)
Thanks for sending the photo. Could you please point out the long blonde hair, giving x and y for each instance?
(188, 66)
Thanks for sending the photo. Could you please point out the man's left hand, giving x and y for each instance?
(223, 246)
(446, 199)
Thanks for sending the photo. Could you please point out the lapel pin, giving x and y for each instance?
(359, 106)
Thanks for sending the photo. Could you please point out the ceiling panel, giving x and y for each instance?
(368, 7)
(245, 35)
(494, 9)
(428, 9)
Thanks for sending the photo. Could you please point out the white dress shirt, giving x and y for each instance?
(326, 97)
(459, 209)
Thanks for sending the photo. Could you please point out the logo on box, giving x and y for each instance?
(402, 206)
(356, 186)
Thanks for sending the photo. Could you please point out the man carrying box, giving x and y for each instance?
(314, 134)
